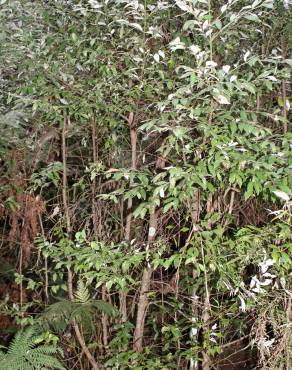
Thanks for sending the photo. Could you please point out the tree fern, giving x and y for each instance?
(82, 310)
(24, 354)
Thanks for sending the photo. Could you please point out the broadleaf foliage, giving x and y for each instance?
(145, 158)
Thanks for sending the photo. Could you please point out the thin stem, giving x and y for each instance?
(206, 311)
(284, 89)
(78, 334)
(46, 265)
(147, 273)
(210, 37)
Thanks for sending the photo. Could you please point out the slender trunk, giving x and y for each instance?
(205, 318)
(104, 320)
(133, 137)
(195, 210)
(230, 206)
(142, 309)
(46, 287)
(147, 273)
(206, 313)
(284, 89)
(194, 364)
(78, 334)
(145, 286)
(21, 284)
(259, 102)
(289, 317)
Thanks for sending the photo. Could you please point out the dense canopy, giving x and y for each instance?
(145, 190)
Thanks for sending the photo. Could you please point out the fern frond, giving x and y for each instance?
(82, 310)
(104, 307)
(58, 315)
(83, 314)
(24, 354)
(82, 294)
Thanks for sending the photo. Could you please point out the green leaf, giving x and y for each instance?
(249, 191)
(74, 37)
(252, 17)
(218, 24)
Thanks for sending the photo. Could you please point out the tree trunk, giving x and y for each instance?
(145, 285)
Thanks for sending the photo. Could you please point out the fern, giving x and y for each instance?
(58, 315)
(24, 354)
(82, 294)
